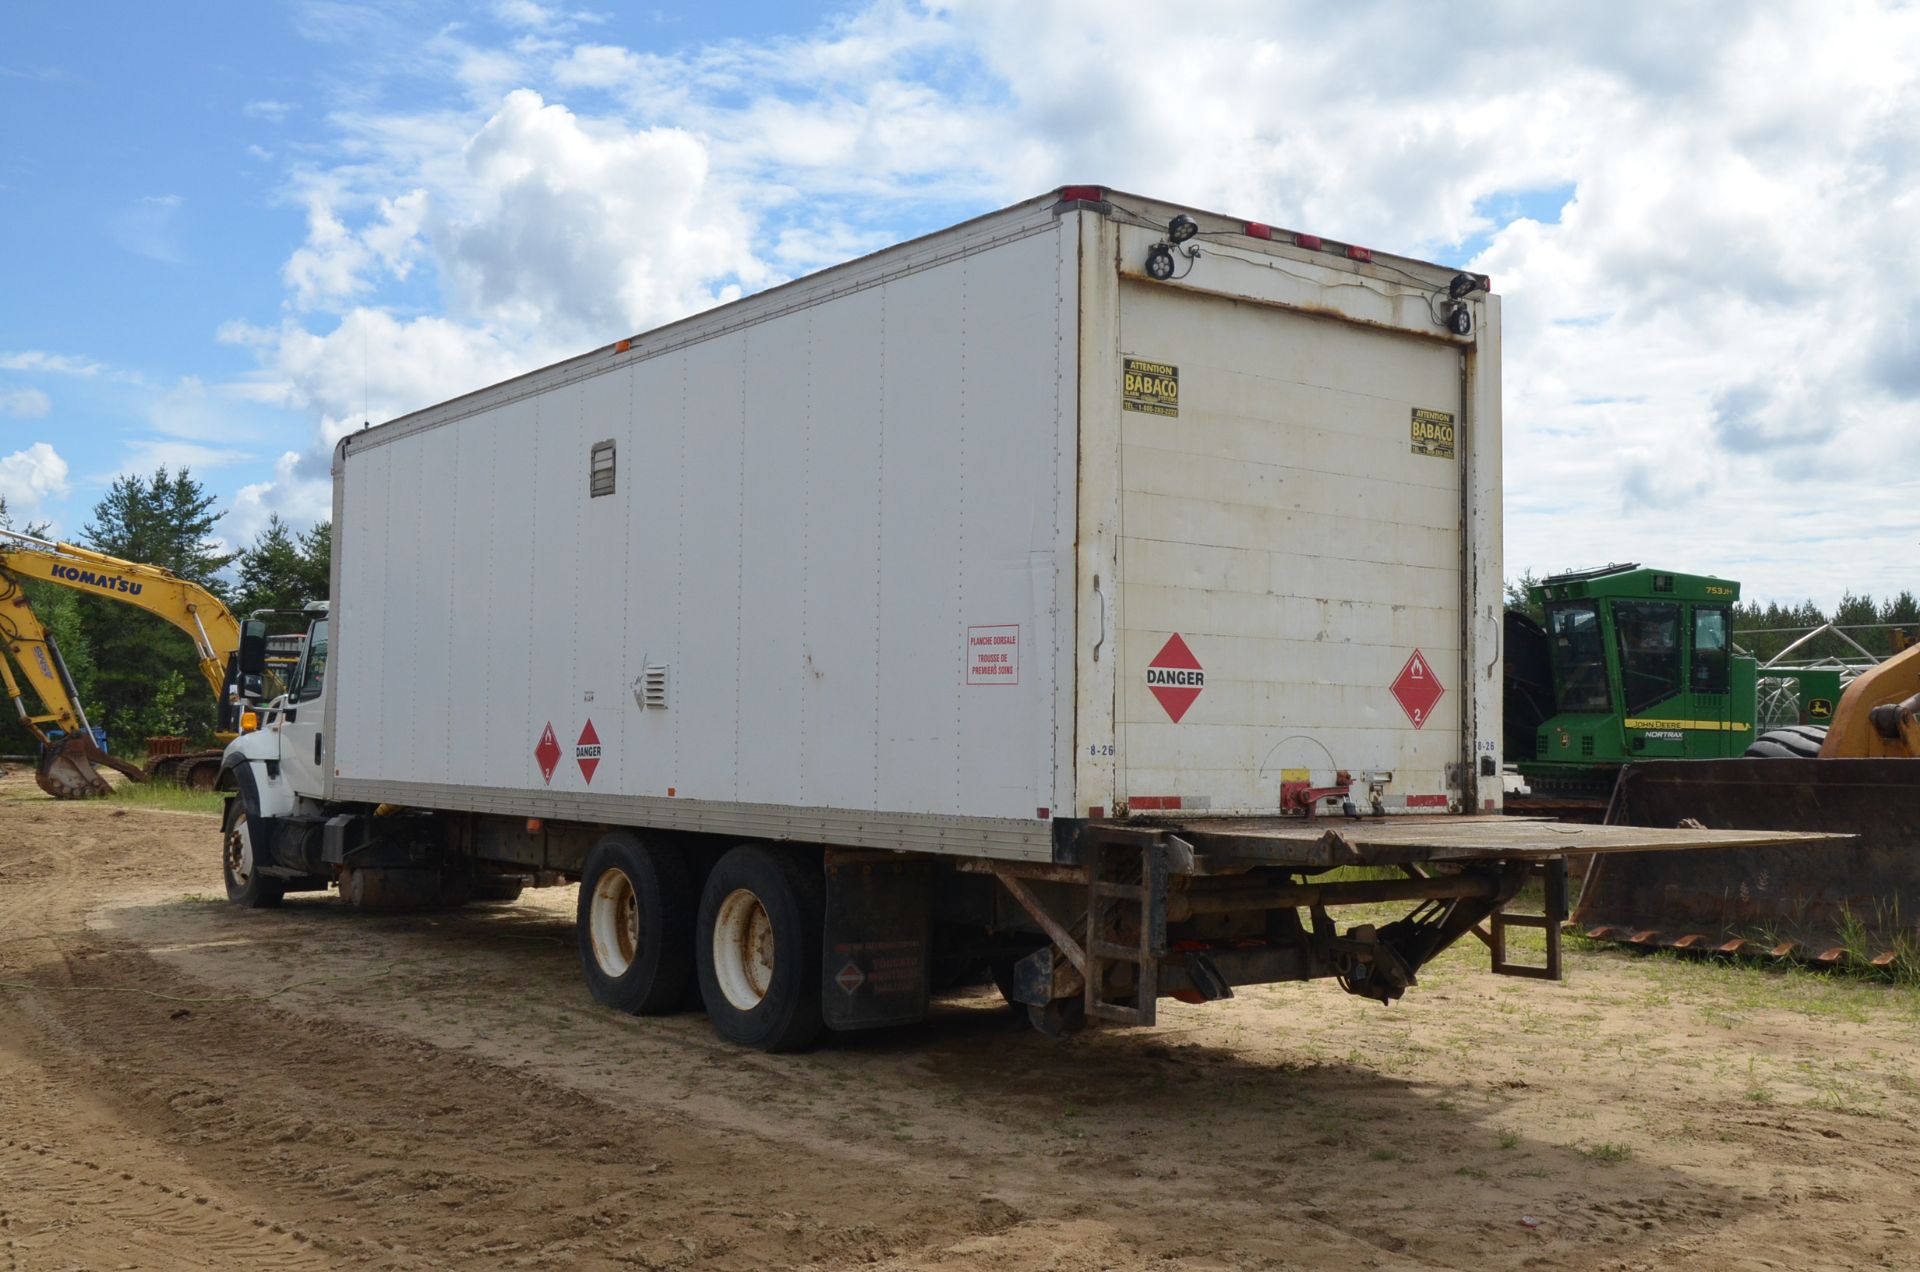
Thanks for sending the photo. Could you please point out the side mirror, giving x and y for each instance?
(253, 647)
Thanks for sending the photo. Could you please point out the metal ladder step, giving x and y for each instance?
(1125, 898)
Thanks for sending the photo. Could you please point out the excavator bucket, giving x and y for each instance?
(70, 768)
(1857, 898)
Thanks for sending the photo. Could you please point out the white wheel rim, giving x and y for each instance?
(743, 949)
(613, 922)
(240, 852)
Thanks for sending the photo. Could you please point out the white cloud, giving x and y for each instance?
(298, 493)
(1700, 345)
(143, 455)
(30, 476)
(57, 363)
(26, 404)
(272, 111)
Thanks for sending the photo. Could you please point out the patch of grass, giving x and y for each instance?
(1607, 1152)
(1509, 1139)
(168, 796)
(1384, 1155)
(1471, 1172)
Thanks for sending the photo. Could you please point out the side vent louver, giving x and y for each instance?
(600, 469)
(650, 688)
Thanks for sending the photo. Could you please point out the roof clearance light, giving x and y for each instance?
(1259, 231)
(1182, 228)
(1359, 254)
(1464, 285)
(1311, 242)
(1083, 194)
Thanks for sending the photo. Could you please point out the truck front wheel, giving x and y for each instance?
(758, 947)
(239, 862)
(634, 920)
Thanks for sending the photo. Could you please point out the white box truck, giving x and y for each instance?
(1062, 594)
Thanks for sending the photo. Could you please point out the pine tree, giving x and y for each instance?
(166, 520)
(283, 571)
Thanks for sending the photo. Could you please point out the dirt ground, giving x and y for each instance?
(185, 1084)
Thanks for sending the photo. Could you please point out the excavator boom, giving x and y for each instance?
(70, 757)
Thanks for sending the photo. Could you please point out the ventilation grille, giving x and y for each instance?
(600, 470)
(652, 689)
(1540, 745)
(1586, 745)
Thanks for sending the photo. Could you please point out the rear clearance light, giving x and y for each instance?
(1312, 242)
(1083, 194)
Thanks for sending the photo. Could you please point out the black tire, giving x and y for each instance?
(239, 863)
(634, 923)
(1795, 742)
(767, 944)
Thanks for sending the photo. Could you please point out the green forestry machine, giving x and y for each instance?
(1627, 703)
(1635, 664)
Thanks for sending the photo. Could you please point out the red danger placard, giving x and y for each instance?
(546, 753)
(993, 655)
(1417, 689)
(586, 752)
(1175, 677)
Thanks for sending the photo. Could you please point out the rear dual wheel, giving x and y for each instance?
(757, 945)
(633, 921)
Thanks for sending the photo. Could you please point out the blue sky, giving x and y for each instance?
(230, 232)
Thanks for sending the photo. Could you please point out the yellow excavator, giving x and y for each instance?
(70, 755)
(1859, 900)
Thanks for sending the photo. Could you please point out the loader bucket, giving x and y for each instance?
(68, 768)
(1857, 898)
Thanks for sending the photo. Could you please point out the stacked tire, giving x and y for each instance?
(1795, 742)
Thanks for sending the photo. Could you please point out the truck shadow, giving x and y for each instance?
(1290, 1102)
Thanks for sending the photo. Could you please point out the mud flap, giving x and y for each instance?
(874, 958)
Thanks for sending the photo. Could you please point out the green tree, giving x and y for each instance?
(165, 520)
(1519, 596)
(271, 572)
(316, 552)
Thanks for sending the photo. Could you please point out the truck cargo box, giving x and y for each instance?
(952, 548)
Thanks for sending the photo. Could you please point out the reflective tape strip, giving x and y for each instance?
(1712, 726)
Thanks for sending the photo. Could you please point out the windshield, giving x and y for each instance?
(1579, 657)
(313, 672)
